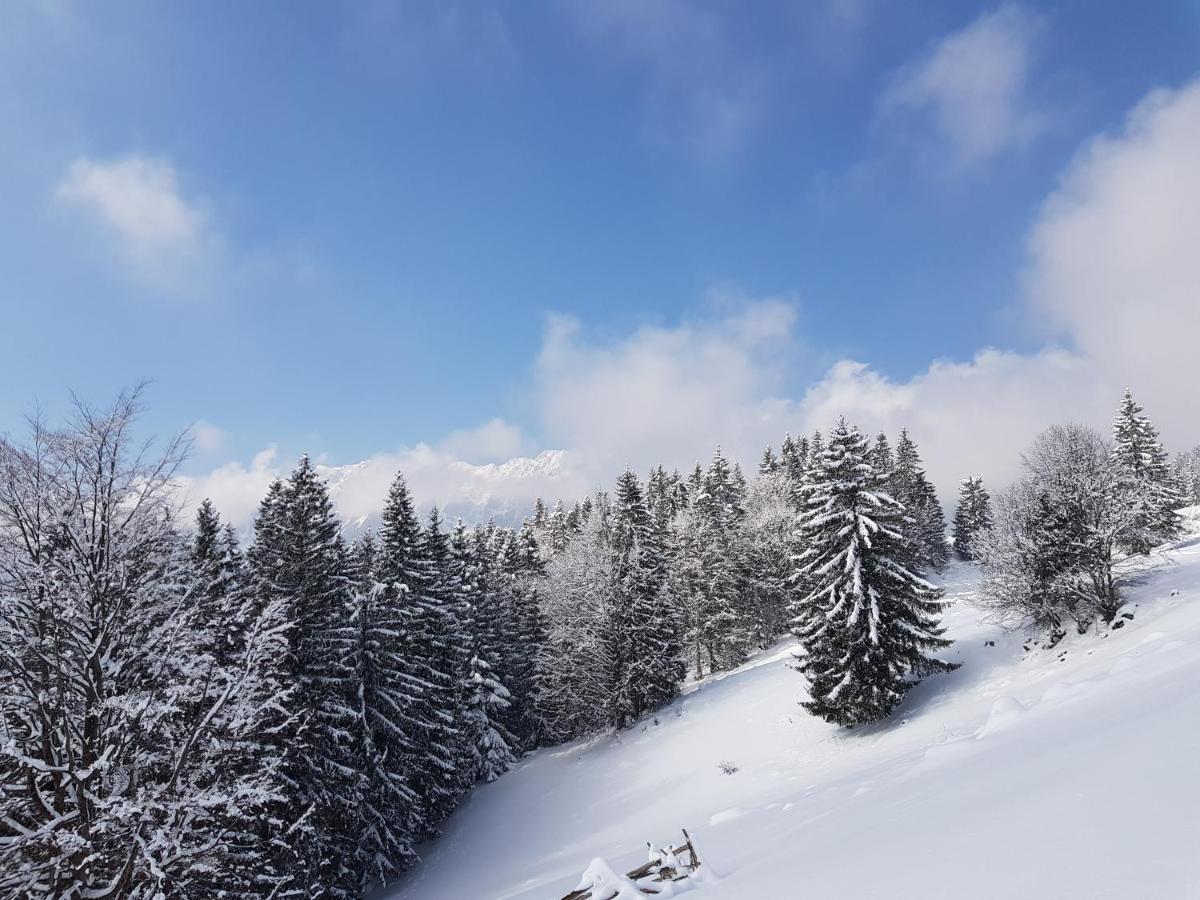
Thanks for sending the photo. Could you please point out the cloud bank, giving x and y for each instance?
(1112, 278)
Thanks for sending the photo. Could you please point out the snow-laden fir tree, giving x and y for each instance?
(882, 457)
(300, 562)
(769, 464)
(869, 621)
(220, 588)
(972, 518)
(424, 697)
(1186, 471)
(646, 652)
(707, 568)
(449, 594)
(515, 579)
(1143, 466)
(908, 484)
(492, 754)
(558, 530)
(389, 805)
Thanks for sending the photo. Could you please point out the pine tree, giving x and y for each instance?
(388, 802)
(492, 754)
(646, 654)
(972, 518)
(907, 484)
(1142, 464)
(300, 561)
(769, 465)
(868, 620)
(219, 590)
(720, 625)
(558, 530)
(424, 697)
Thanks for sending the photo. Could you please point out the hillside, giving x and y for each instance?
(1042, 773)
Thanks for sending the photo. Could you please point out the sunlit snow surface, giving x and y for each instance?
(1071, 772)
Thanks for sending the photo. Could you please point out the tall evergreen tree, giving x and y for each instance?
(425, 695)
(389, 805)
(972, 518)
(1142, 465)
(869, 620)
(300, 561)
(926, 525)
(492, 754)
(647, 656)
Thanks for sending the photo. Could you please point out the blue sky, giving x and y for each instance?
(353, 228)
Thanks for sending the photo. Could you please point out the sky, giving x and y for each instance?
(444, 235)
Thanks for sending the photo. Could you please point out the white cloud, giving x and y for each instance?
(1115, 256)
(493, 441)
(975, 84)
(1112, 269)
(698, 82)
(207, 437)
(667, 394)
(235, 489)
(162, 236)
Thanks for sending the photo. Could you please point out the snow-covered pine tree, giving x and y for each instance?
(388, 803)
(868, 621)
(769, 464)
(492, 755)
(882, 457)
(1142, 464)
(973, 516)
(220, 584)
(1186, 470)
(517, 579)
(300, 563)
(449, 595)
(908, 484)
(721, 625)
(558, 530)
(647, 656)
(423, 700)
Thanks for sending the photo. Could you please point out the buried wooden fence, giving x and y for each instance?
(659, 868)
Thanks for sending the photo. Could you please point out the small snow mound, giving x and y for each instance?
(1005, 711)
(605, 883)
(726, 815)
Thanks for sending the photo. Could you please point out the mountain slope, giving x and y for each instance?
(1069, 772)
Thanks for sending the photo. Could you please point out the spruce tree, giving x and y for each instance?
(972, 518)
(926, 525)
(868, 620)
(424, 695)
(220, 585)
(300, 562)
(646, 654)
(768, 465)
(389, 804)
(492, 754)
(1143, 470)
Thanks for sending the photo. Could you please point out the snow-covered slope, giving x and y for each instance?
(1072, 772)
